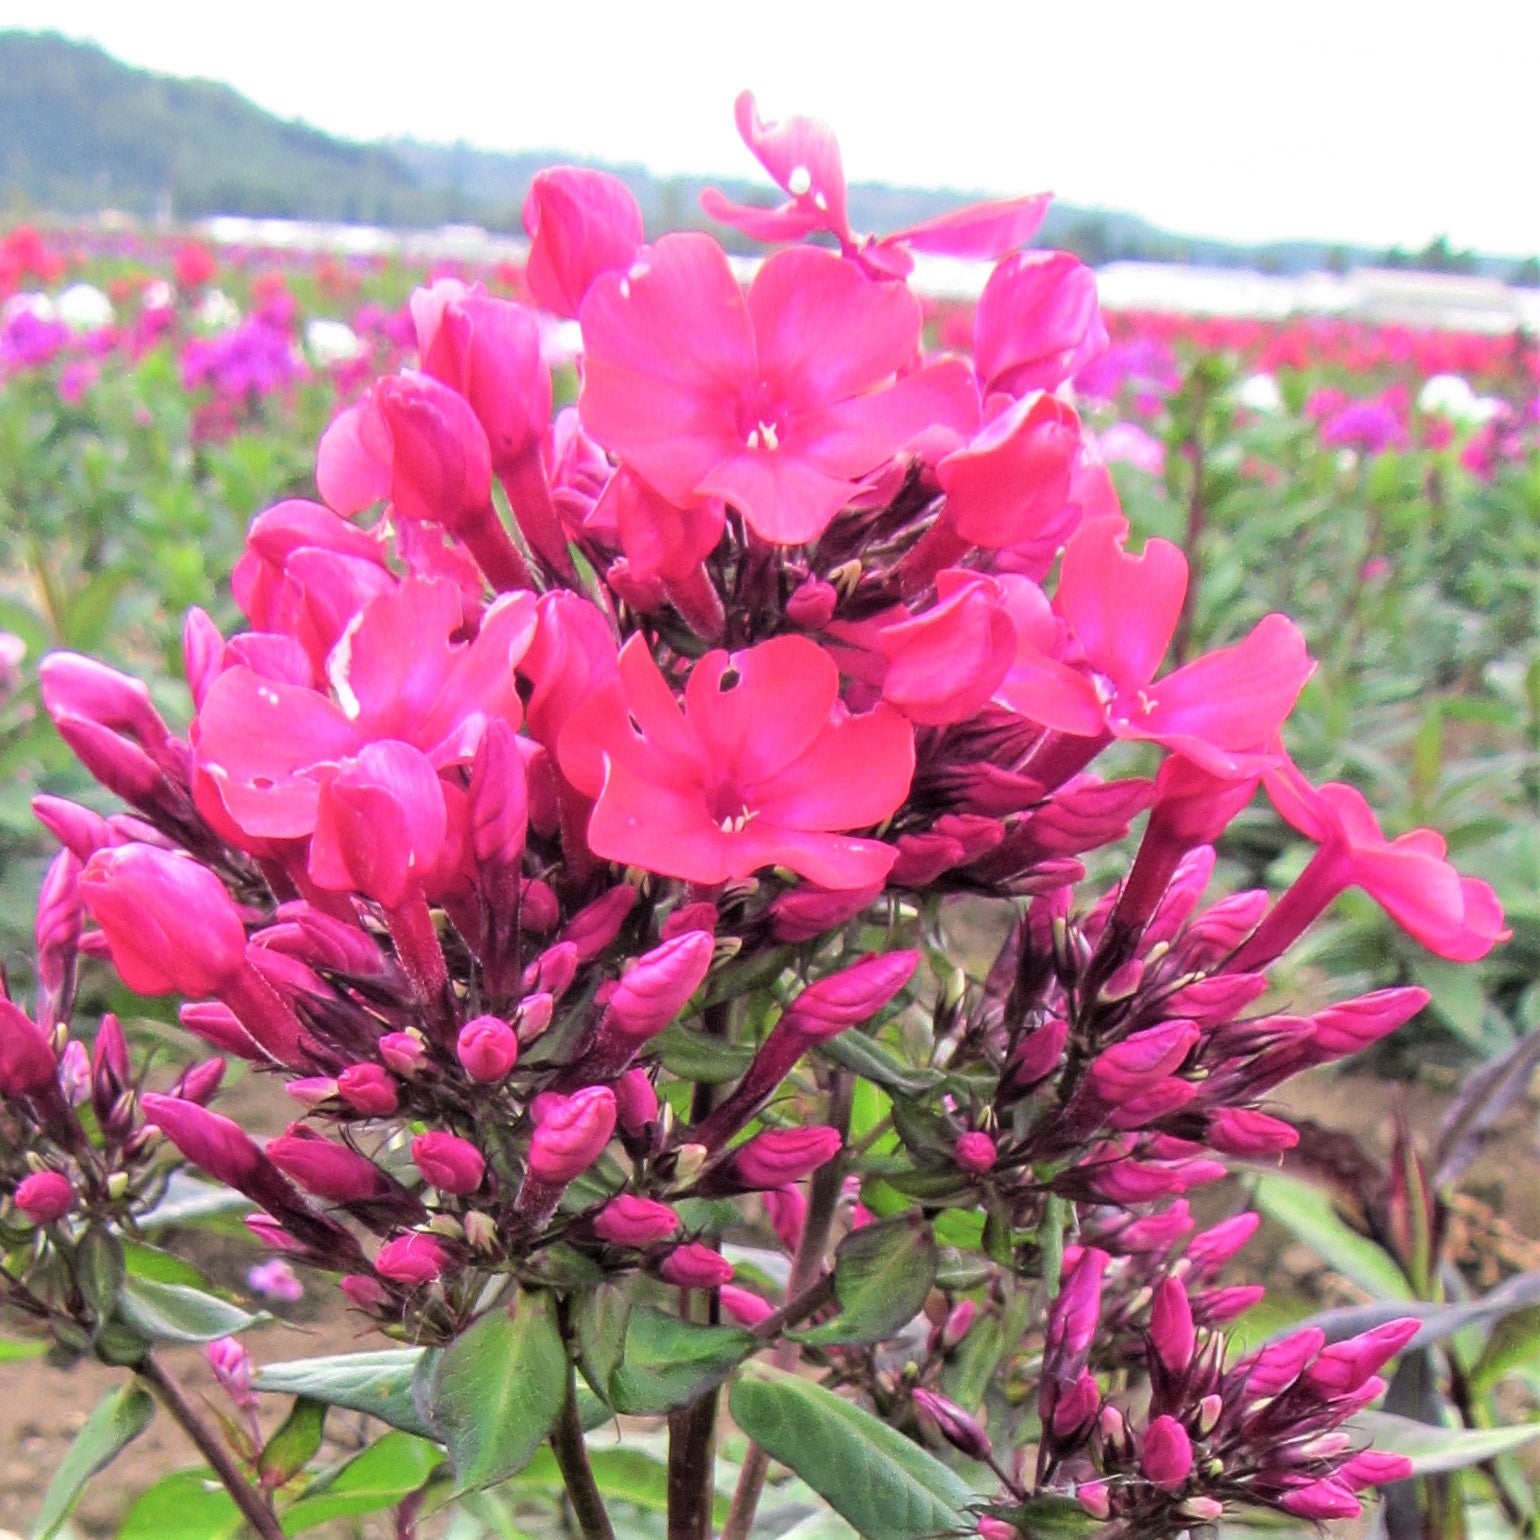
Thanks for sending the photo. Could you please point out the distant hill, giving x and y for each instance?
(80, 132)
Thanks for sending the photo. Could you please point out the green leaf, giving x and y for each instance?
(498, 1391)
(885, 1486)
(151, 1262)
(669, 1362)
(599, 1323)
(1050, 1518)
(882, 1273)
(1515, 1341)
(1306, 1212)
(187, 1201)
(172, 1312)
(120, 1417)
(1435, 1450)
(388, 1470)
(622, 1476)
(295, 1443)
(378, 1384)
(100, 1270)
(186, 1505)
(867, 1058)
(12, 1351)
(699, 1057)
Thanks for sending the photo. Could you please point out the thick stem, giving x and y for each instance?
(255, 1507)
(806, 1269)
(576, 1473)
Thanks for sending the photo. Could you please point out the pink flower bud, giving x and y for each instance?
(1038, 1055)
(553, 971)
(695, 1267)
(231, 1364)
(975, 1152)
(1344, 1366)
(687, 917)
(83, 689)
(808, 912)
(369, 1089)
(45, 1196)
(786, 1209)
(1141, 1060)
(1373, 1468)
(580, 223)
(532, 1017)
(658, 985)
(27, 1062)
(77, 828)
(1074, 1407)
(219, 1146)
(852, 996)
(1247, 1133)
(961, 1431)
(1095, 1498)
(958, 1323)
(487, 1049)
(203, 653)
(812, 604)
(1167, 1456)
(199, 1082)
(219, 1026)
(572, 1133)
(170, 924)
(1210, 1249)
(630, 1220)
(451, 1164)
(499, 799)
(413, 1260)
(745, 1308)
(1216, 1306)
(311, 1091)
(403, 1053)
(275, 1279)
(597, 924)
(1348, 1028)
(1326, 1499)
(636, 1101)
(1171, 1328)
(327, 1170)
(780, 1156)
(1277, 1365)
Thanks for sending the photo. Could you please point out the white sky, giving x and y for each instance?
(1354, 120)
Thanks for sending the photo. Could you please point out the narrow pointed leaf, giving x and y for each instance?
(120, 1417)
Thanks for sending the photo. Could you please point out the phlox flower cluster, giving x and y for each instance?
(564, 748)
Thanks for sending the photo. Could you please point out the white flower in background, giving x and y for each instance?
(331, 342)
(28, 303)
(157, 295)
(84, 308)
(1451, 396)
(1260, 393)
(217, 312)
(560, 341)
(1128, 442)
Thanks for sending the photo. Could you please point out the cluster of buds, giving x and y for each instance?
(567, 761)
(1265, 1431)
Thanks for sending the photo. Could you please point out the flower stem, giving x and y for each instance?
(255, 1507)
(576, 1473)
(806, 1268)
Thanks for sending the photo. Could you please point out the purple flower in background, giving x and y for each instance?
(275, 1280)
(1367, 426)
(1145, 363)
(29, 336)
(255, 358)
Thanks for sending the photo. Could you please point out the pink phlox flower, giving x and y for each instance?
(1453, 916)
(1120, 613)
(397, 673)
(778, 401)
(803, 159)
(762, 766)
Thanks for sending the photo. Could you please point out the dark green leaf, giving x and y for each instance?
(1049, 1518)
(295, 1443)
(172, 1312)
(669, 1362)
(120, 1417)
(388, 1470)
(885, 1486)
(882, 1273)
(186, 1505)
(699, 1057)
(498, 1391)
(378, 1384)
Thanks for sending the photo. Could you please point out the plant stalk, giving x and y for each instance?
(806, 1270)
(576, 1473)
(255, 1507)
